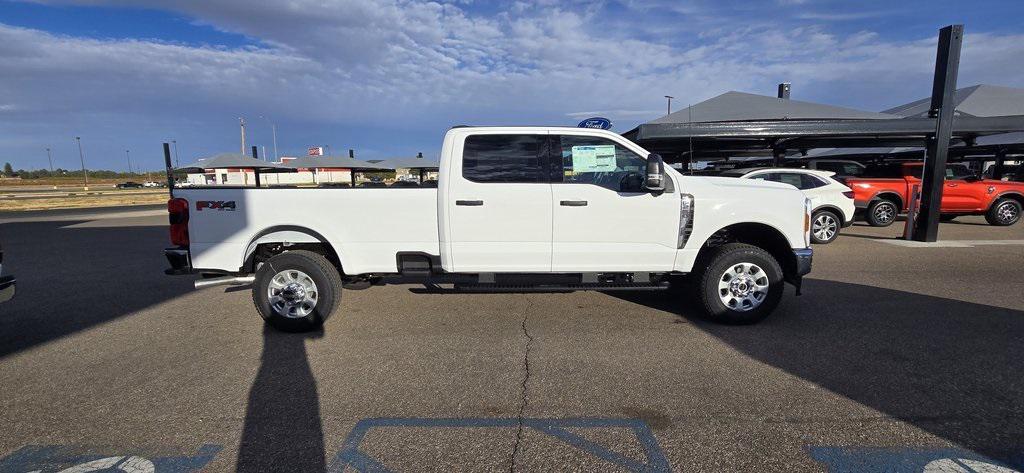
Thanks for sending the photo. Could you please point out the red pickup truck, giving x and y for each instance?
(882, 198)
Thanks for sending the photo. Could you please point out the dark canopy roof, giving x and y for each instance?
(410, 163)
(234, 160)
(343, 162)
(975, 101)
(741, 106)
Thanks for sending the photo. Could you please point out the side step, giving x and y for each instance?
(495, 288)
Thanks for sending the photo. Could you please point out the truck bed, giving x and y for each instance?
(366, 226)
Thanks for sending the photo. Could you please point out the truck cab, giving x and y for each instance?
(515, 209)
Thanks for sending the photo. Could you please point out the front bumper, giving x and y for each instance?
(7, 285)
(179, 260)
(803, 260)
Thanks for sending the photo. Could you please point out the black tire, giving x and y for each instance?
(881, 213)
(1003, 213)
(947, 217)
(726, 258)
(327, 284)
(831, 223)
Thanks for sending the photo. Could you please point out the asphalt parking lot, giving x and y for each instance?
(896, 358)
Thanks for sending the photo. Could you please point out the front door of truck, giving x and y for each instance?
(499, 204)
(603, 219)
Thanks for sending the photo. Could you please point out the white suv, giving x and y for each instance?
(831, 201)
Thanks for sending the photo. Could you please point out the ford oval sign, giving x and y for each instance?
(596, 122)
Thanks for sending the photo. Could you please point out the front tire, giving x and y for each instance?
(825, 226)
(881, 213)
(296, 291)
(1003, 213)
(739, 285)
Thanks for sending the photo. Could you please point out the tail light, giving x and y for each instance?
(177, 214)
(807, 222)
(848, 194)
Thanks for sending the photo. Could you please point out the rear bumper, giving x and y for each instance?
(803, 260)
(179, 260)
(7, 285)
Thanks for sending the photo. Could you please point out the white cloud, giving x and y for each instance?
(340, 68)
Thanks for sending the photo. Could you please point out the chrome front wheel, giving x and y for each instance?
(743, 287)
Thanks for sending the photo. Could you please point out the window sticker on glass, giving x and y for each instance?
(599, 158)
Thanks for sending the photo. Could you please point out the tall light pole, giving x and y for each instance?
(241, 123)
(176, 162)
(81, 156)
(129, 156)
(49, 157)
(669, 97)
(273, 129)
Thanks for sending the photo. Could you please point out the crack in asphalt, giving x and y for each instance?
(522, 404)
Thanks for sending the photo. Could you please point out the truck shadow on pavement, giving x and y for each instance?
(73, 278)
(948, 367)
(283, 430)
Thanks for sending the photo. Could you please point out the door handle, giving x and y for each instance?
(574, 203)
(471, 203)
(951, 184)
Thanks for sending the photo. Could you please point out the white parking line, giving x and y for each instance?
(950, 243)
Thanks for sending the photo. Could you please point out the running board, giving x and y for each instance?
(494, 288)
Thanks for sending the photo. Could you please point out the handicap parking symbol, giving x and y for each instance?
(75, 459)
(911, 460)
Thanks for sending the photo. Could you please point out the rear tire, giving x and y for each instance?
(740, 284)
(1003, 213)
(296, 291)
(825, 226)
(881, 213)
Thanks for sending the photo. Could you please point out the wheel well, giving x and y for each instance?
(760, 235)
(283, 238)
(833, 209)
(891, 197)
(1009, 195)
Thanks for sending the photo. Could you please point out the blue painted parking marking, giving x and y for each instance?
(77, 459)
(911, 460)
(351, 456)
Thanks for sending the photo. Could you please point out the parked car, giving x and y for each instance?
(611, 217)
(7, 283)
(831, 202)
(841, 167)
(129, 185)
(152, 184)
(883, 197)
(404, 184)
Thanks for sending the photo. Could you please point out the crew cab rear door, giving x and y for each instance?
(603, 219)
(499, 203)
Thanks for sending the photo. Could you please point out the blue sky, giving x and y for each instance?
(388, 78)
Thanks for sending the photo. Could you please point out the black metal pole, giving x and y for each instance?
(778, 156)
(947, 64)
(998, 168)
(169, 169)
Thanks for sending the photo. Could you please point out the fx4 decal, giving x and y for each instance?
(215, 205)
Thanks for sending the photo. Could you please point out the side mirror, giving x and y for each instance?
(655, 179)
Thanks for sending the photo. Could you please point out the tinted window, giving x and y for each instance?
(810, 182)
(792, 179)
(503, 158)
(601, 162)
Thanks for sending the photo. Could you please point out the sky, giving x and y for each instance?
(388, 78)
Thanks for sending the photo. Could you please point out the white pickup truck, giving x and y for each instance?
(516, 209)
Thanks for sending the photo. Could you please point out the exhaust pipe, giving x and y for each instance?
(225, 281)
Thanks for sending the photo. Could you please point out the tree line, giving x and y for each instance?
(9, 171)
